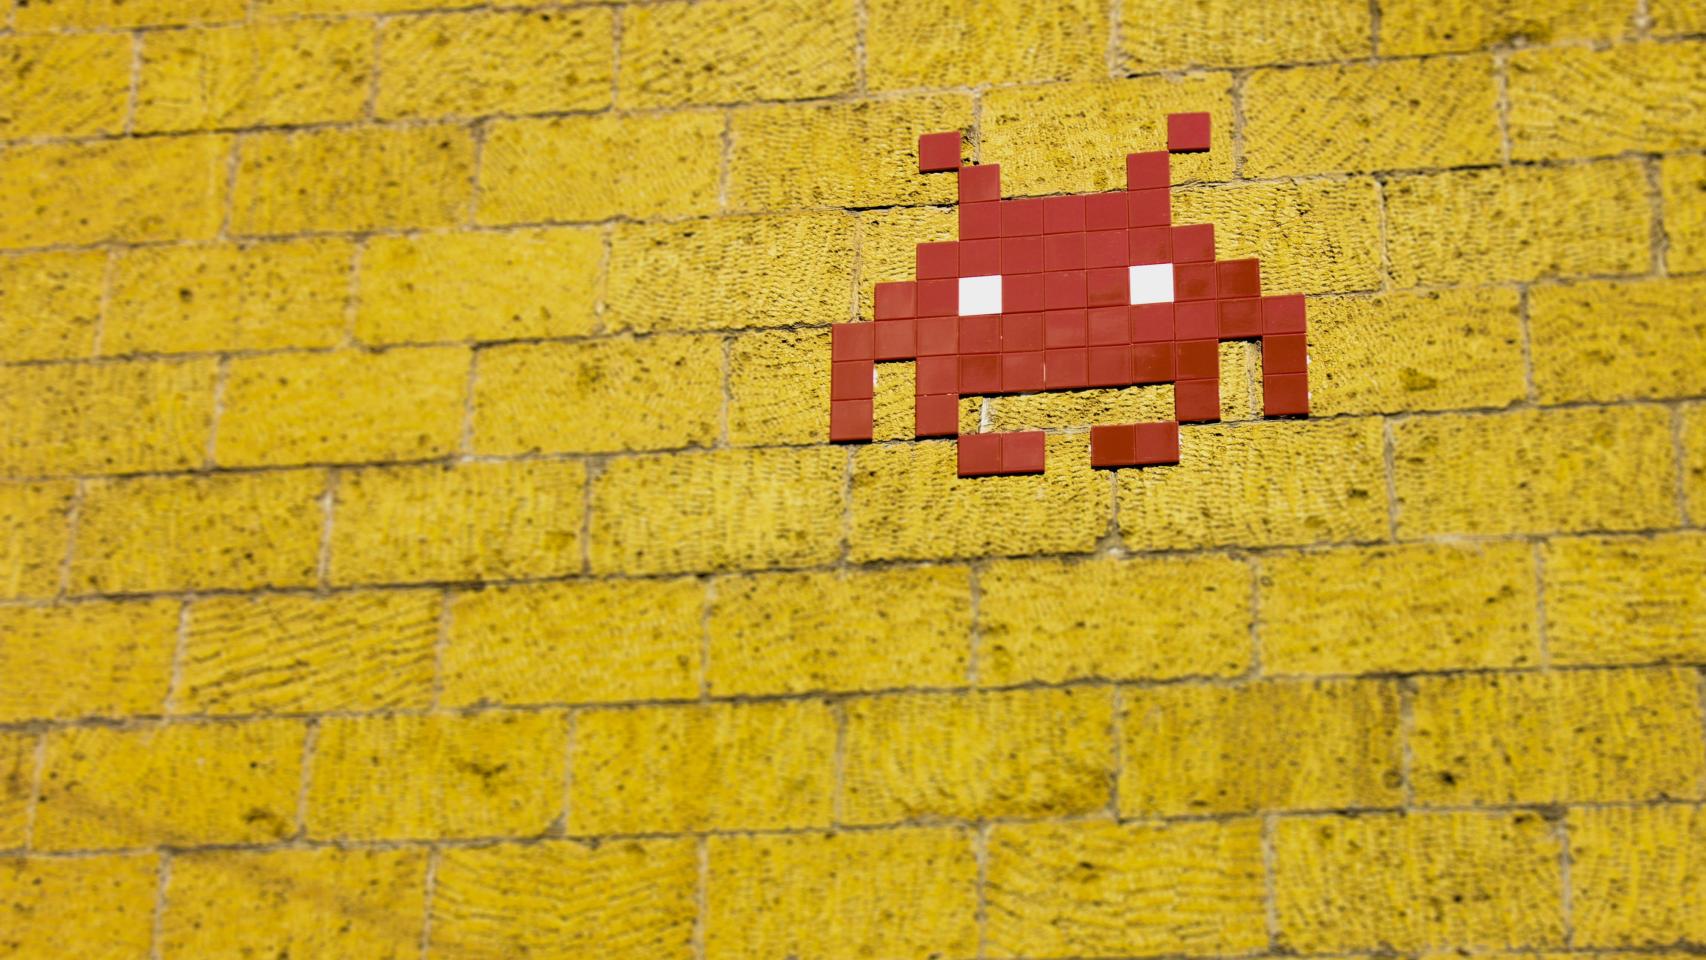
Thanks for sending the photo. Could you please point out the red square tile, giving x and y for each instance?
(852, 341)
(895, 301)
(937, 260)
(1146, 171)
(1108, 325)
(980, 184)
(1063, 251)
(1064, 289)
(1158, 442)
(939, 298)
(1197, 320)
(1110, 366)
(936, 415)
(1021, 331)
(1240, 278)
(1152, 323)
(938, 335)
(979, 454)
(896, 339)
(938, 375)
(1193, 281)
(1113, 446)
(1283, 314)
(1023, 452)
(1022, 293)
(1065, 328)
(1149, 208)
(938, 152)
(1022, 372)
(849, 420)
(1285, 394)
(1108, 286)
(1152, 363)
(1066, 369)
(980, 221)
(1104, 211)
(1285, 353)
(1196, 401)
(1187, 132)
(1240, 318)
(1022, 217)
(980, 373)
(1149, 245)
(1022, 254)
(851, 379)
(1193, 242)
(980, 258)
(1197, 359)
(980, 334)
(1063, 214)
(1105, 248)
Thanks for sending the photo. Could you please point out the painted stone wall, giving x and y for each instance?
(418, 539)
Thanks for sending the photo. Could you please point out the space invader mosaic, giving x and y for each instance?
(1069, 293)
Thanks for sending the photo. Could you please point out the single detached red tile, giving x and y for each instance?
(1187, 132)
(850, 420)
(979, 454)
(1158, 442)
(1283, 314)
(1066, 369)
(1063, 214)
(1021, 331)
(1022, 372)
(938, 375)
(1114, 446)
(980, 258)
(1022, 217)
(1152, 363)
(852, 380)
(1021, 293)
(1240, 278)
(980, 221)
(1105, 248)
(1196, 401)
(980, 334)
(938, 152)
(1064, 289)
(937, 260)
(936, 415)
(1198, 359)
(1240, 319)
(1023, 452)
(895, 339)
(1022, 254)
(1285, 353)
(1285, 394)
(1149, 208)
(1065, 328)
(1110, 366)
(939, 298)
(980, 184)
(1063, 251)
(895, 301)
(938, 335)
(1151, 323)
(1193, 281)
(1146, 171)
(980, 373)
(1197, 320)
(1193, 242)
(852, 341)
(1108, 325)
(1104, 211)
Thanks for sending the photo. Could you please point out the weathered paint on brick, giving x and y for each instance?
(740, 50)
(50, 304)
(1453, 25)
(1682, 185)
(17, 788)
(1577, 102)
(305, 71)
(34, 534)
(1635, 875)
(1609, 340)
(911, 45)
(87, 660)
(1314, 236)
(1693, 436)
(483, 62)
(64, 84)
(105, 418)
(1228, 33)
(779, 387)
(1625, 599)
(83, 907)
(161, 188)
(128, 13)
(353, 179)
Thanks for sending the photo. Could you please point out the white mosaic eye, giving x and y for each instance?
(1152, 283)
(980, 295)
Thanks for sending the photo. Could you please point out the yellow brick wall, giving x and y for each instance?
(418, 539)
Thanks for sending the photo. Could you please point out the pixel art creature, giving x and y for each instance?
(1069, 293)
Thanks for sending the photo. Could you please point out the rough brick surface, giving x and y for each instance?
(33, 537)
(674, 53)
(17, 787)
(239, 76)
(352, 179)
(156, 189)
(51, 304)
(137, 13)
(920, 45)
(1576, 102)
(1646, 353)
(1626, 600)
(1226, 33)
(108, 418)
(69, 85)
(1636, 874)
(95, 906)
(1455, 25)
(91, 660)
(1683, 189)
(467, 64)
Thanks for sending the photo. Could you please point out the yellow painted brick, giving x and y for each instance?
(283, 8)
(295, 903)
(64, 84)
(1364, 117)
(479, 286)
(736, 51)
(34, 534)
(1073, 138)
(1266, 745)
(1082, 408)
(50, 304)
(893, 403)
(951, 45)
(1672, 17)
(127, 13)
(353, 179)
(474, 775)
(232, 531)
(625, 900)
(1411, 28)
(473, 521)
(599, 396)
(1439, 607)
(731, 272)
(1693, 435)
(271, 74)
(1404, 881)
(1260, 484)
(87, 660)
(888, 244)
(593, 168)
(1544, 471)
(1609, 340)
(101, 908)
(581, 643)
(1411, 351)
(180, 783)
(160, 188)
(1577, 102)
(349, 405)
(908, 503)
(1582, 736)
(1626, 600)
(843, 896)
(1313, 236)
(1227, 33)
(854, 630)
(1052, 620)
(858, 154)
(720, 766)
(732, 509)
(105, 418)
(204, 298)
(467, 64)
(1518, 223)
(1027, 753)
(1682, 181)
(1635, 875)
(298, 654)
(1101, 889)
(779, 387)
(17, 788)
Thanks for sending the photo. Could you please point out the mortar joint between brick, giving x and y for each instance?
(1502, 104)
(1531, 393)
(1542, 633)
(977, 124)
(1382, 216)
(974, 638)
(1256, 624)
(465, 436)
(1566, 895)
(594, 469)
(1389, 464)
(157, 922)
(310, 744)
(1658, 235)
(725, 162)
(1643, 19)
(323, 556)
(221, 376)
(838, 763)
(441, 646)
(38, 765)
(1407, 689)
(133, 94)
(477, 134)
(352, 291)
(1116, 747)
(1679, 451)
(1239, 78)
(73, 518)
(429, 890)
(227, 215)
(175, 670)
(560, 825)
(1116, 14)
(601, 278)
(616, 26)
(370, 104)
(861, 48)
(844, 558)
(708, 608)
(701, 894)
(980, 853)
(1270, 882)
(725, 379)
